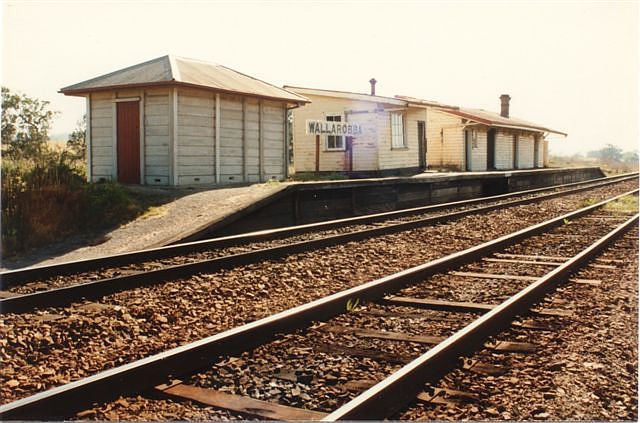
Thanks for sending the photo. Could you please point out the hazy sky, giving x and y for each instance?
(572, 66)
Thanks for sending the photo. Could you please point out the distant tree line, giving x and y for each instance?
(613, 153)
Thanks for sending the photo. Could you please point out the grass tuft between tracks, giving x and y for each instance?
(625, 205)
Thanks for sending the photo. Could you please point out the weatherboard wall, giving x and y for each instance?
(445, 141)
(102, 137)
(504, 150)
(157, 138)
(273, 154)
(525, 151)
(479, 150)
(365, 156)
(178, 137)
(399, 157)
(540, 145)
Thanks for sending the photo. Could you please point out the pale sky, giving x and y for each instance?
(571, 66)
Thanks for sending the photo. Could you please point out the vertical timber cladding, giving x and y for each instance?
(157, 137)
(252, 139)
(245, 138)
(479, 149)
(102, 137)
(274, 142)
(231, 134)
(196, 129)
(525, 151)
(128, 141)
(504, 150)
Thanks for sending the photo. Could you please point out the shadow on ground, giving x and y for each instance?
(147, 199)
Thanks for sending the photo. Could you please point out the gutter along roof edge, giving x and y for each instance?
(514, 125)
(173, 83)
(348, 94)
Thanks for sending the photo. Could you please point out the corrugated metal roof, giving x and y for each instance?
(348, 95)
(497, 120)
(182, 71)
(423, 102)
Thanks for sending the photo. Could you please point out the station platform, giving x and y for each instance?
(217, 211)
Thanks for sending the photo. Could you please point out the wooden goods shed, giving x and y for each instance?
(389, 133)
(478, 140)
(178, 121)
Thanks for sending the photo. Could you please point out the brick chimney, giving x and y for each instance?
(373, 81)
(504, 105)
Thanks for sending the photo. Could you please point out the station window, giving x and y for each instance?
(335, 142)
(474, 139)
(397, 131)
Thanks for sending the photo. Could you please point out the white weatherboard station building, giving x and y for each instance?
(177, 121)
(405, 133)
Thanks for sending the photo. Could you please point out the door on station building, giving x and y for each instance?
(128, 142)
(349, 154)
(536, 150)
(491, 149)
(422, 144)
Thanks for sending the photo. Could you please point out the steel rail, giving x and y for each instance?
(95, 289)
(39, 272)
(62, 401)
(395, 392)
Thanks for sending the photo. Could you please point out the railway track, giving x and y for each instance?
(62, 284)
(471, 281)
(52, 346)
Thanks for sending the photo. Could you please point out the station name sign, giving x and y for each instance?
(323, 127)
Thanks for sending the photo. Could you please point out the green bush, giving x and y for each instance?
(46, 199)
(106, 204)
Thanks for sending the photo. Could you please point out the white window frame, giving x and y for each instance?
(342, 138)
(398, 138)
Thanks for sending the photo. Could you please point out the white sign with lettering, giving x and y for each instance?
(323, 127)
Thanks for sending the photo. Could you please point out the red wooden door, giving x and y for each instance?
(128, 142)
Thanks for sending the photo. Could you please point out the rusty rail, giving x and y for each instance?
(396, 391)
(96, 289)
(62, 401)
(77, 266)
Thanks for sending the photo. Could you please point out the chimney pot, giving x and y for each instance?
(504, 105)
(373, 81)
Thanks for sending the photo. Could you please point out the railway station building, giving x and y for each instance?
(394, 134)
(178, 121)
(388, 133)
(477, 140)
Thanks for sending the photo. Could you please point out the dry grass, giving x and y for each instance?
(625, 205)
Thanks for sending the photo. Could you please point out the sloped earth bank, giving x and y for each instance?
(587, 370)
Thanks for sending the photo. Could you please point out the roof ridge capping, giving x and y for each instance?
(171, 69)
(128, 68)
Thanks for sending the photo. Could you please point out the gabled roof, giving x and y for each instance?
(348, 95)
(171, 70)
(497, 120)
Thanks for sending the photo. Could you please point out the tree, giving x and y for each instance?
(25, 125)
(630, 157)
(610, 153)
(77, 142)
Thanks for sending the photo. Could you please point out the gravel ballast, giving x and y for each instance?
(80, 340)
(296, 369)
(585, 370)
